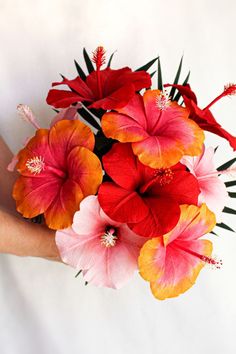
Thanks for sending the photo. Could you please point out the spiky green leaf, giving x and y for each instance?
(224, 226)
(153, 73)
(88, 61)
(110, 59)
(78, 273)
(178, 95)
(232, 194)
(176, 79)
(226, 164)
(80, 71)
(230, 183)
(85, 114)
(148, 65)
(229, 211)
(159, 75)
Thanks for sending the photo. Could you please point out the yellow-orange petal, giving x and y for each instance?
(85, 168)
(67, 134)
(122, 128)
(162, 291)
(59, 215)
(172, 264)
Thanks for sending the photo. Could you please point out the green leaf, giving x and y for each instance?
(178, 95)
(224, 226)
(230, 183)
(226, 164)
(148, 65)
(159, 76)
(78, 273)
(88, 61)
(229, 211)
(153, 73)
(176, 80)
(88, 118)
(110, 59)
(232, 194)
(213, 233)
(80, 71)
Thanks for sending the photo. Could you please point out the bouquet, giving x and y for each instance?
(123, 176)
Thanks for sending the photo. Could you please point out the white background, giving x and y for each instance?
(43, 309)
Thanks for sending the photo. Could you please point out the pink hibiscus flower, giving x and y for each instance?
(106, 251)
(172, 263)
(213, 190)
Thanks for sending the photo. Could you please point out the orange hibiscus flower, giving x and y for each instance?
(58, 169)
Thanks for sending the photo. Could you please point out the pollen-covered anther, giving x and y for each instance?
(35, 165)
(230, 89)
(109, 238)
(214, 262)
(27, 115)
(164, 176)
(163, 100)
(99, 57)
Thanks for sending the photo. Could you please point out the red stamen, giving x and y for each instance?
(162, 176)
(99, 59)
(213, 262)
(229, 90)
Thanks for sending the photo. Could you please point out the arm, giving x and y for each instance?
(18, 236)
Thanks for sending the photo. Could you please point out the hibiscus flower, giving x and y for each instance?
(213, 189)
(106, 89)
(146, 199)
(106, 251)
(172, 263)
(58, 169)
(159, 130)
(203, 117)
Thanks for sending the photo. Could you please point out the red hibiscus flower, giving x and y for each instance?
(106, 89)
(146, 199)
(58, 169)
(203, 117)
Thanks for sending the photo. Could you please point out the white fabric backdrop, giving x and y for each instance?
(43, 309)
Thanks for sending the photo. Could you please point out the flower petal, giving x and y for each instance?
(118, 203)
(183, 188)
(172, 266)
(114, 269)
(59, 214)
(172, 134)
(34, 195)
(88, 219)
(67, 134)
(163, 215)
(193, 223)
(63, 98)
(84, 167)
(122, 166)
(123, 128)
(181, 270)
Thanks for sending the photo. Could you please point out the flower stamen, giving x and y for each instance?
(214, 262)
(99, 57)
(163, 100)
(35, 165)
(164, 176)
(109, 238)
